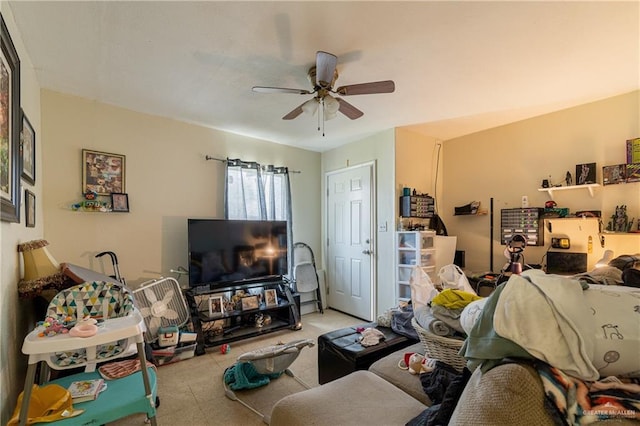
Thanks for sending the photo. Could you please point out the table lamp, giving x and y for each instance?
(41, 271)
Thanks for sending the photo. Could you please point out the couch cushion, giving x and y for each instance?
(510, 394)
(356, 399)
(388, 369)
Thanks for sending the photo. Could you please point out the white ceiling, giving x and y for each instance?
(459, 67)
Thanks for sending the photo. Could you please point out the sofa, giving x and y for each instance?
(505, 387)
(509, 394)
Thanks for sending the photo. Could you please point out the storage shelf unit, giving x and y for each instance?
(413, 248)
(238, 324)
(525, 221)
(418, 206)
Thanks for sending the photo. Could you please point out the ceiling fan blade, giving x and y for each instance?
(325, 68)
(262, 89)
(349, 110)
(293, 114)
(387, 86)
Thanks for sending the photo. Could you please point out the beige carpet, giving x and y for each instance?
(263, 399)
(191, 391)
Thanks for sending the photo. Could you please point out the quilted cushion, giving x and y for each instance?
(510, 394)
(96, 299)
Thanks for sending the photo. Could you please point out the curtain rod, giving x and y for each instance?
(224, 160)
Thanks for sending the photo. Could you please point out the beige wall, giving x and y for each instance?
(417, 164)
(16, 315)
(167, 178)
(378, 148)
(510, 161)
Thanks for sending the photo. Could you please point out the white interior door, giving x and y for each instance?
(349, 241)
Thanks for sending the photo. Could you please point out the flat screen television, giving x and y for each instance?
(224, 252)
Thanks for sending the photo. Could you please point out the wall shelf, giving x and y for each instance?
(588, 187)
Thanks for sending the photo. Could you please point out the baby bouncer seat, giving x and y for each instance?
(256, 368)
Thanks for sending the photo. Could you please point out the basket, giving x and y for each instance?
(443, 349)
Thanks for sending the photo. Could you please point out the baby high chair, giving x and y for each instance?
(98, 300)
(119, 333)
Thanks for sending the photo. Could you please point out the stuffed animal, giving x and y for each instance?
(419, 364)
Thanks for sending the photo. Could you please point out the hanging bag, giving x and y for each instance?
(451, 276)
(422, 288)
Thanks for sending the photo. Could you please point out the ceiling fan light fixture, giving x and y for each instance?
(329, 115)
(310, 107)
(331, 105)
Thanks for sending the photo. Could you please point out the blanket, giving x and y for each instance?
(427, 320)
(483, 347)
(547, 316)
(587, 331)
(571, 402)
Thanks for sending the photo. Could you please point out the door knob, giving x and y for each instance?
(367, 252)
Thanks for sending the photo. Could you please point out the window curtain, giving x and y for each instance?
(256, 192)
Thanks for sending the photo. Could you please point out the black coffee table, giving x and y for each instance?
(340, 351)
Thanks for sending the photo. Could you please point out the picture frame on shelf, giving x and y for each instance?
(250, 302)
(119, 202)
(103, 172)
(614, 174)
(28, 149)
(270, 297)
(216, 306)
(585, 173)
(29, 208)
(633, 172)
(10, 132)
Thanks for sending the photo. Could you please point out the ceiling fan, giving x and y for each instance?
(322, 77)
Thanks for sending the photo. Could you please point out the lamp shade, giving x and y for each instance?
(310, 107)
(331, 105)
(38, 262)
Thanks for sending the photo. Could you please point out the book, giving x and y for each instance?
(86, 390)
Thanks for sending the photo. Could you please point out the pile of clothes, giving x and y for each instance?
(442, 315)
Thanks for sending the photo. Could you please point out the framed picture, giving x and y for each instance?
(28, 148)
(585, 173)
(119, 202)
(270, 297)
(614, 174)
(216, 306)
(10, 128)
(250, 302)
(30, 208)
(633, 172)
(102, 172)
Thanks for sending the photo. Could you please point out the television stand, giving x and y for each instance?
(239, 320)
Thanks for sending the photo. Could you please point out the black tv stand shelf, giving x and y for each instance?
(236, 324)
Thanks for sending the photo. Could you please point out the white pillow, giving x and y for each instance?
(616, 311)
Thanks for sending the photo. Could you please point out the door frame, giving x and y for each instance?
(373, 221)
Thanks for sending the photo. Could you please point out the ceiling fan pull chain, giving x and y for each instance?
(323, 120)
